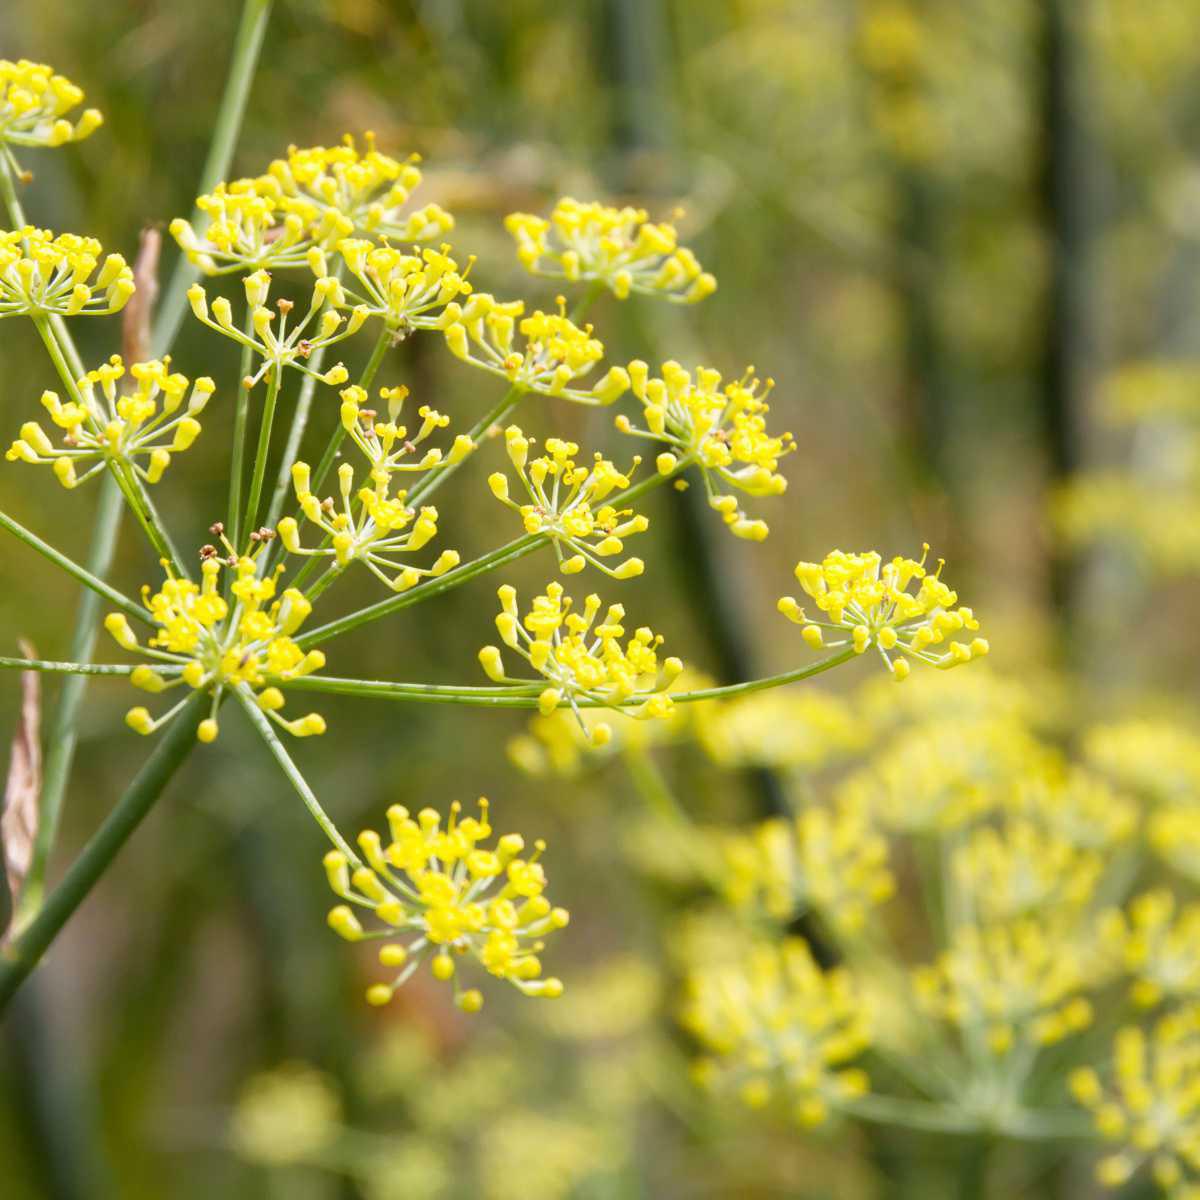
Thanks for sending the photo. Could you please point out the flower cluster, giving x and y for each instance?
(204, 642)
(870, 600)
(566, 504)
(108, 422)
(279, 346)
(779, 1027)
(556, 353)
(451, 897)
(1152, 1107)
(582, 662)
(619, 248)
(1016, 980)
(34, 103)
(722, 430)
(402, 289)
(1158, 945)
(373, 524)
(831, 859)
(48, 274)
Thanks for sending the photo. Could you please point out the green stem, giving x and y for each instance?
(515, 696)
(261, 453)
(237, 454)
(63, 734)
(23, 953)
(65, 668)
(1026, 1124)
(246, 47)
(424, 591)
(86, 577)
(584, 303)
(262, 723)
(430, 483)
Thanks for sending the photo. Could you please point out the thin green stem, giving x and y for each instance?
(427, 486)
(1027, 1124)
(262, 452)
(246, 47)
(262, 723)
(65, 668)
(237, 456)
(507, 553)
(22, 954)
(525, 694)
(87, 577)
(584, 304)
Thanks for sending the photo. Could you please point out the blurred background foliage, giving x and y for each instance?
(944, 228)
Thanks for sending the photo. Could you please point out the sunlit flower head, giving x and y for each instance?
(617, 247)
(870, 600)
(1021, 981)
(34, 103)
(252, 226)
(720, 429)
(827, 858)
(566, 502)
(440, 895)
(372, 523)
(1151, 1106)
(1157, 759)
(1071, 805)
(552, 357)
(363, 191)
(206, 643)
(115, 422)
(1157, 944)
(272, 340)
(582, 660)
(1174, 834)
(47, 274)
(776, 1027)
(407, 291)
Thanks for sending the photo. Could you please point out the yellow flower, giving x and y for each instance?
(870, 600)
(1158, 945)
(253, 226)
(1072, 805)
(114, 424)
(1174, 833)
(617, 247)
(722, 430)
(208, 644)
(566, 504)
(450, 897)
(279, 346)
(402, 289)
(1157, 759)
(581, 662)
(362, 191)
(1020, 981)
(47, 274)
(556, 352)
(34, 102)
(1151, 1108)
(779, 1027)
(829, 858)
(288, 1115)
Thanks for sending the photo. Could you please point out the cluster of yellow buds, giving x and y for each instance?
(363, 191)
(204, 643)
(1152, 1106)
(401, 288)
(1156, 759)
(556, 353)
(450, 897)
(381, 525)
(116, 424)
(1018, 869)
(283, 347)
(779, 1027)
(827, 858)
(722, 430)
(566, 504)
(47, 274)
(1158, 945)
(620, 248)
(1073, 805)
(581, 662)
(1016, 980)
(870, 600)
(34, 103)
(253, 226)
